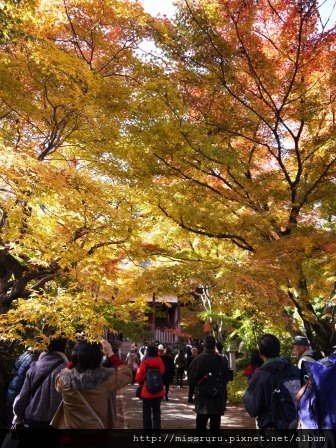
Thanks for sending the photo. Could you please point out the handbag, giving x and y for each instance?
(11, 439)
(138, 391)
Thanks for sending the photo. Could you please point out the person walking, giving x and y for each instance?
(169, 372)
(151, 402)
(206, 365)
(180, 364)
(88, 391)
(38, 399)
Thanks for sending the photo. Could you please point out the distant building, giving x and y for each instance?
(164, 323)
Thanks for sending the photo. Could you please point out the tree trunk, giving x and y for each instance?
(319, 331)
(18, 282)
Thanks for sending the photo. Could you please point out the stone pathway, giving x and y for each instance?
(176, 413)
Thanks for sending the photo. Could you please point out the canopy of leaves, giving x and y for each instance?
(211, 162)
(240, 147)
(67, 215)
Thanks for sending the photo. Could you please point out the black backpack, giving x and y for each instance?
(154, 383)
(287, 385)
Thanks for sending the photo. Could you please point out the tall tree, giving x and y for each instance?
(67, 216)
(240, 147)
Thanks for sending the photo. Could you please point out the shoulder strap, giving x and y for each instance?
(302, 391)
(90, 408)
(42, 378)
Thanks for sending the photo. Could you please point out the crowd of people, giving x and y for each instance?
(71, 402)
(70, 397)
(76, 399)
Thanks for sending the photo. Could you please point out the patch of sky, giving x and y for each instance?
(160, 8)
(166, 7)
(327, 10)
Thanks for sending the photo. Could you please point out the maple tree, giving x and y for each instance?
(213, 161)
(240, 151)
(67, 216)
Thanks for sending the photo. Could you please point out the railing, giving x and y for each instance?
(165, 336)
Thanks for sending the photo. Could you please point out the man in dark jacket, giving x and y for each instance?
(260, 398)
(205, 365)
(169, 373)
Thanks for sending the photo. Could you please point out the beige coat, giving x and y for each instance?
(98, 386)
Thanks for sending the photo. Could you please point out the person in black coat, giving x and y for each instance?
(169, 373)
(18, 376)
(203, 366)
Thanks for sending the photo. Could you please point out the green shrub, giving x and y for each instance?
(237, 387)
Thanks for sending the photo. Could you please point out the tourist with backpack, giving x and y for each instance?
(317, 404)
(208, 373)
(304, 353)
(317, 397)
(149, 375)
(270, 396)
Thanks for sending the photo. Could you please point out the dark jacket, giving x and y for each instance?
(169, 373)
(258, 398)
(190, 360)
(18, 375)
(203, 364)
(180, 361)
(43, 405)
